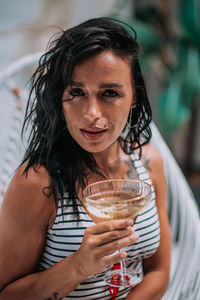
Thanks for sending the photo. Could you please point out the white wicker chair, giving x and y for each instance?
(185, 228)
(183, 210)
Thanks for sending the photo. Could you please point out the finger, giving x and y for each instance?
(111, 225)
(114, 259)
(118, 244)
(111, 236)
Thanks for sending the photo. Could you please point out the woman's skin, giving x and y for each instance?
(102, 95)
(102, 100)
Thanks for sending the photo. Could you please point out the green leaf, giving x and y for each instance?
(190, 19)
(148, 36)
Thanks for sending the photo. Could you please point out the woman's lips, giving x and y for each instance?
(93, 133)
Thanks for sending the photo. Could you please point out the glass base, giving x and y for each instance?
(116, 278)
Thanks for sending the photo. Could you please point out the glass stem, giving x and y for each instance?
(123, 266)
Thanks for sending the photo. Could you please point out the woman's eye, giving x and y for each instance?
(110, 93)
(76, 92)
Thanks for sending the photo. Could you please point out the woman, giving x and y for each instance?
(90, 121)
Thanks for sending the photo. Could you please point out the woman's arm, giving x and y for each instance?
(25, 215)
(156, 268)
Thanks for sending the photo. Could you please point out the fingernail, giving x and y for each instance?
(135, 236)
(123, 254)
(130, 222)
(130, 229)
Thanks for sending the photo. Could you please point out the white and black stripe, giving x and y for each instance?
(65, 237)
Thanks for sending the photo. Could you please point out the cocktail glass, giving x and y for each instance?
(117, 199)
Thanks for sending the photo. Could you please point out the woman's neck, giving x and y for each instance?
(109, 158)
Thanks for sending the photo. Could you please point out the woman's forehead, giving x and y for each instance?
(106, 64)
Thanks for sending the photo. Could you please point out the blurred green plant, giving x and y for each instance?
(174, 55)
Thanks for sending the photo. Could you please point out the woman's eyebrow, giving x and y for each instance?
(103, 85)
(77, 83)
(110, 85)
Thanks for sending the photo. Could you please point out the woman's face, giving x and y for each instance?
(97, 104)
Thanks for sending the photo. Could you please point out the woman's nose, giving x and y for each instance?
(92, 110)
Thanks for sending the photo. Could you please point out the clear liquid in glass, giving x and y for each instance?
(115, 205)
(117, 199)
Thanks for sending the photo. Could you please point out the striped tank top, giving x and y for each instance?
(65, 237)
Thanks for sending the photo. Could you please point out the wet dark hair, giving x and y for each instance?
(50, 143)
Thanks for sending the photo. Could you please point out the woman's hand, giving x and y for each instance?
(100, 241)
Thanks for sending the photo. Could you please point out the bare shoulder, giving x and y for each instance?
(35, 177)
(26, 193)
(153, 162)
(151, 156)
